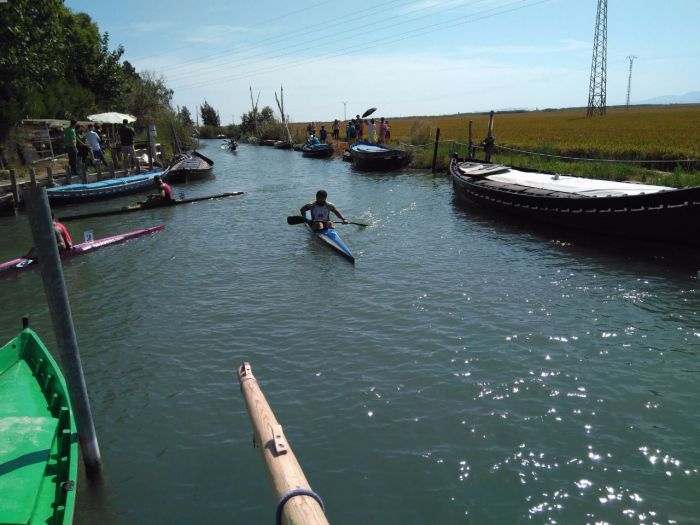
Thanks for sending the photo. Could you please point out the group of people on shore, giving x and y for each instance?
(89, 144)
(356, 130)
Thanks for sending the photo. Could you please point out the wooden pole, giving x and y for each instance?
(44, 238)
(490, 141)
(284, 471)
(150, 147)
(490, 133)
(49, 176)
(14, 188)
(435, 150)
(32, 177)
(48, 136)
(68, 176)
(470, 152)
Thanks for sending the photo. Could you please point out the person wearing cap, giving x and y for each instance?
(320, 210)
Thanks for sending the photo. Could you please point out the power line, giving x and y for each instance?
(289, 50)
(598, 85)
(431, 28)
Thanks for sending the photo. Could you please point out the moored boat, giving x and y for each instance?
(367, 156)
(38, 438)
(7, 204)
(283, 144)
(267, 142)
(190, 166)
(22, 263)
(317, 151)
(624, 209)
(104, 189)
(148, 206)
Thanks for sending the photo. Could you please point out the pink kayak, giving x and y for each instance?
(17, 265)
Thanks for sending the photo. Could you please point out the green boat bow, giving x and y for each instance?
(38, 439)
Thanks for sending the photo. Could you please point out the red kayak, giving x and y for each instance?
(17, 265)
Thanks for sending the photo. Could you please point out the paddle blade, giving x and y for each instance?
(369, 112)
(296, 219)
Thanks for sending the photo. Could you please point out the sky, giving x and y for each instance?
(405, 57)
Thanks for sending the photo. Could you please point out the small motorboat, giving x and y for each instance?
(317, 151)
(375, 157)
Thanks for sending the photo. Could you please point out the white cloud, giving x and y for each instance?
(561, 46)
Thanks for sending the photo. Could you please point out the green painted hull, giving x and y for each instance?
(38, 439)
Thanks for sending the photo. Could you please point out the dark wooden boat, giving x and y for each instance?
(317, 151)
(267, 142)
(346, 156)
(375, 157)
(104, 189)
(190, 166)
(624, 209)
(139, 206)
(283, 144)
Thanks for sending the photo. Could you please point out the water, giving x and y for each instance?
(466, 370)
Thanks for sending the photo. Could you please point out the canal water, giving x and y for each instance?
(465, 370)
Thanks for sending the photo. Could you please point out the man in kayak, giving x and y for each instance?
(320, 211)
(65, 243)
(165, 192)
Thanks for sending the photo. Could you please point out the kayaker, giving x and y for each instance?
(63, 240)
(321, 211)
(165, 192)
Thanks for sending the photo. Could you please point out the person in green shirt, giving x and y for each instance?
(70, 146)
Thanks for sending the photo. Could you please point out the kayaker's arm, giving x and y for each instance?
(338, 214)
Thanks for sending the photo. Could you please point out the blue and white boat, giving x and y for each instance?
(330, 238)
(104, 189)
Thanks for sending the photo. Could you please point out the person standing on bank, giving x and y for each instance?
(323, 134)
(372, 130)
(336, 130)
(126, 137)
(70, 145)
(320, 211)
(382, 131)
(93, 139)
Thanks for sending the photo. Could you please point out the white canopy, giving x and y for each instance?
(111, 117)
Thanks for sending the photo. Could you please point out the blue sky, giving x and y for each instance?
(406, 57)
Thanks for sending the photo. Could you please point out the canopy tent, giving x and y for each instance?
(111, 117)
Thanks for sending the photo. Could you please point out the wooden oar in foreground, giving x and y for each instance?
(297, 503)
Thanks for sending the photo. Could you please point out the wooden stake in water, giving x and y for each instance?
(44, 238)
(435, 150)
(297, 504)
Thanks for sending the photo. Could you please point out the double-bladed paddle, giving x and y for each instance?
(298, 219)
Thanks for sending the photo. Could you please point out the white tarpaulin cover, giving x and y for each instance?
(111, 117)
(563, 183)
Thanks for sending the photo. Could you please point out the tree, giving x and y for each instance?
(148, 98)
(185, 117)
(265, 116)
(209, 115)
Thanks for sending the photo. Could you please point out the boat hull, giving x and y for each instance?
(669, 216)
(194, 166)
(330, 238)
(106, 189)
(317, 151)
(18, 265)
(372, 157)
(38, 438)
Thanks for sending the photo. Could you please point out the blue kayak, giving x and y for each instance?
(330, 238)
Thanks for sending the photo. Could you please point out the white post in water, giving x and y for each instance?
(297, 503)
(59, 308)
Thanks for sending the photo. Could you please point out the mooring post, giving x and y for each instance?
(32, 177)
(489, 142)
(435, 150)
(151, 149)
(14, 188)
(49, 177)
(112, 173)
(44, 239)
(68, 177)
(83, 172)
(470, 151)
(297, 503)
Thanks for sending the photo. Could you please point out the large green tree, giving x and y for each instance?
(54, 64)
(209, 115)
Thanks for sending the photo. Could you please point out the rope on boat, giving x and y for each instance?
(289, 495)
(598, 160)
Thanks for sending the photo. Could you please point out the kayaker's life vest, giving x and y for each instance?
(320, 213)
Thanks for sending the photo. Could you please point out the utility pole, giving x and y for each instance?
(598, 85)
(345, 110)
(629, 81)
